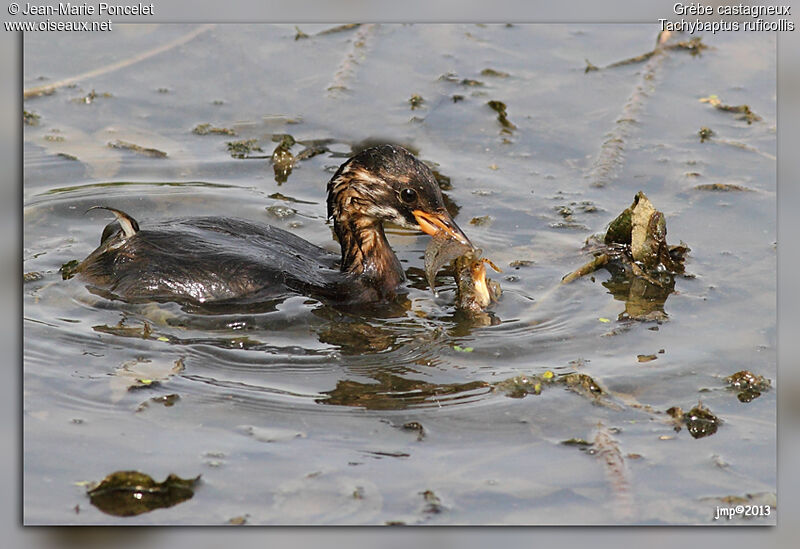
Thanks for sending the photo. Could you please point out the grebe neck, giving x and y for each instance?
(366, 252)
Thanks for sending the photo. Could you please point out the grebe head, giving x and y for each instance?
(388, 184)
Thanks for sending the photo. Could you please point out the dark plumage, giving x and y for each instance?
(221, 260)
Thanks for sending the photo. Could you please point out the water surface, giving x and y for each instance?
(296, 415)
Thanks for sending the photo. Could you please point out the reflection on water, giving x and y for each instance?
(348, 377)
(644, 299)
(393, 392)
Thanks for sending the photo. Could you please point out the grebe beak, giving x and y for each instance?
(433, 224)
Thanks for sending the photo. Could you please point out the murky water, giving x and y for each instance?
(304, 414)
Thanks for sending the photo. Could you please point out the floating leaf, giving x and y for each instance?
(30, 118)
(481, 221)
(206, 129)
(723, 187)
(642, 265)
(494, 73)
(130, 493)
(748, 384)
(165, 400)
(576, 442)
(502, 116)
(32, 276)
(243, 148)
(89, 98)
(743, 110)
(145, 151)
(699, 421)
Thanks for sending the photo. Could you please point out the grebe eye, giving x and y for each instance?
(408, 196)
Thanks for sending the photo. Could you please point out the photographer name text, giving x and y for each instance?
(84, 8)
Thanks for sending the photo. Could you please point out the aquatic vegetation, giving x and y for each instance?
(578, 383)
(30, 118)
(165, 400)
(339, 28)
(299, 34)
(699, 421)
(416, 101)
(743, 110)
(481, 221)
(130, 493)
(694, 46)
(243, 148)
(415, 427)
(208, 129)
(90, 97)
(494, 73)
(721, 187)
(748, 385)
(502, 116)
(634, 249)
(145, 151)
(32, 276)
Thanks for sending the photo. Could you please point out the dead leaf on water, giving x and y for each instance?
(721, 187)
(133, 147)
(130, 493)
(743, 110)
(748, 385)
(635, 251)
(699, 421)
(207, 129)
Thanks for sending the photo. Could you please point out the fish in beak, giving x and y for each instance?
(440, 222)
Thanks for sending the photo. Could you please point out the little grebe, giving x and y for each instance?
(221, 260)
